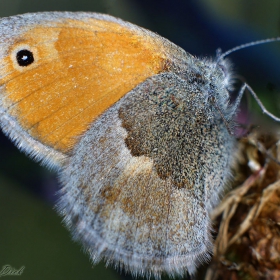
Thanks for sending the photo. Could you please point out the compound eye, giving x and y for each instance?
(24, 57)
(223, 68)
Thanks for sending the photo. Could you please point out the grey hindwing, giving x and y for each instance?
(142, 180)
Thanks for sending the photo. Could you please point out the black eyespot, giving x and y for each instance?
(25, 57)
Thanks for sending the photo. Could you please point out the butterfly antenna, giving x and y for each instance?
(243, 46)
(245, 86)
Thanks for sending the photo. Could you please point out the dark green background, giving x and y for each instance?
(31, 233)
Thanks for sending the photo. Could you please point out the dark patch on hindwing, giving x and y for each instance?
(164, 123)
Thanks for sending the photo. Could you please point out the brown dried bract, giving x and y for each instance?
(247, 221)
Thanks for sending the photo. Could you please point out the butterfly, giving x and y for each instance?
(138, 130)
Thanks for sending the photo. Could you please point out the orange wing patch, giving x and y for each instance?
(81, 68)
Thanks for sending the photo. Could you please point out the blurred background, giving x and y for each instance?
(31, 232)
